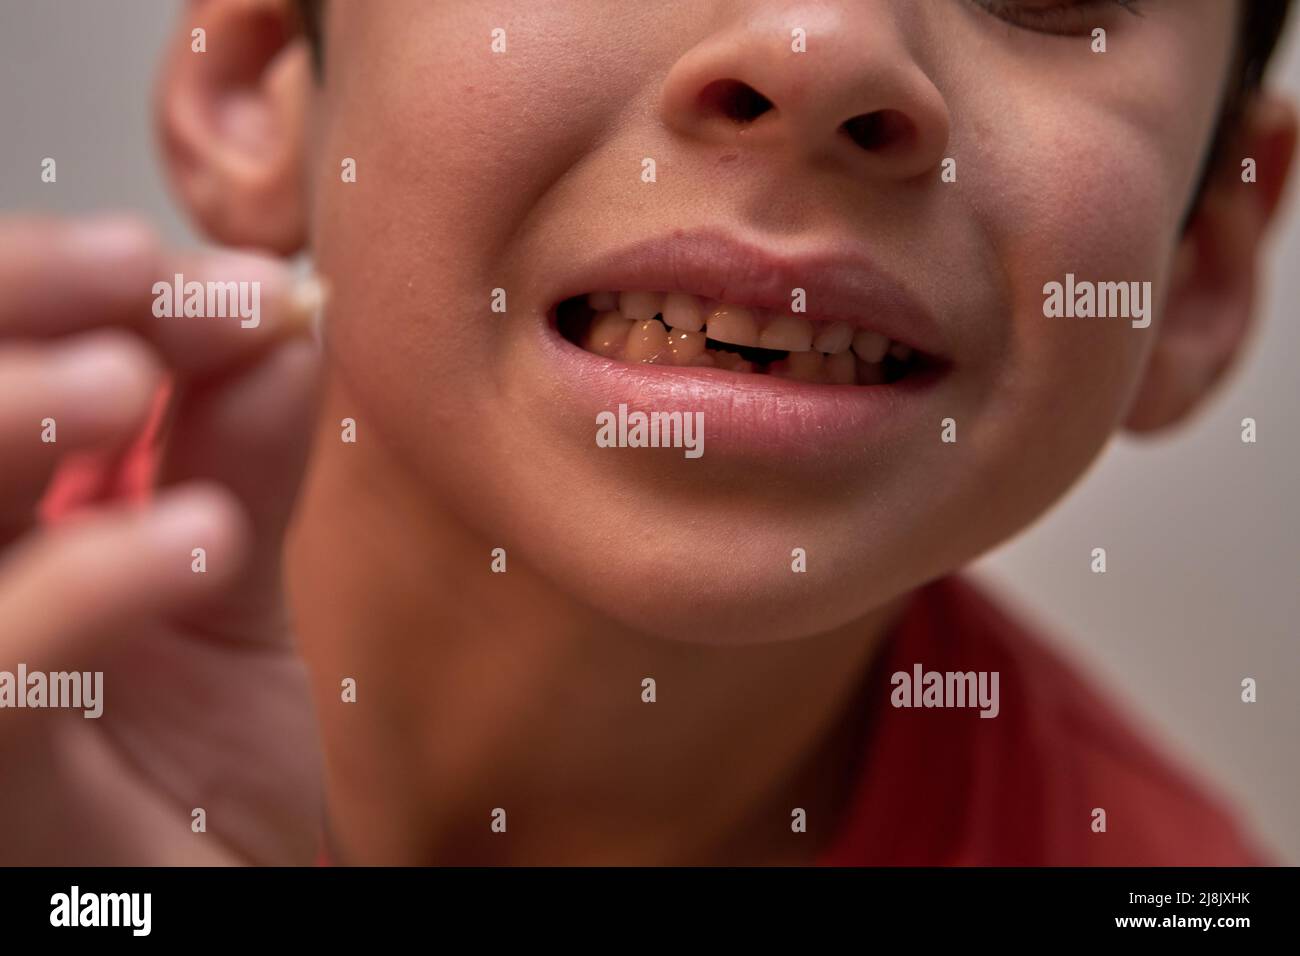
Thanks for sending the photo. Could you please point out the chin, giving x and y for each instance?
(723, 595)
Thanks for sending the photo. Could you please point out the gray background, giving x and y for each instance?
(1201, 531)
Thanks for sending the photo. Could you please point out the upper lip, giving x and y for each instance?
(840, 285)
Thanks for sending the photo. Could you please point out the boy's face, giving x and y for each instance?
(523, 171)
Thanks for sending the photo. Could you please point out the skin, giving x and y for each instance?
(475, 172)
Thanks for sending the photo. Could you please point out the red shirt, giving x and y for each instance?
(944, 786)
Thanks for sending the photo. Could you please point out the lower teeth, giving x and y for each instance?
(658, 344)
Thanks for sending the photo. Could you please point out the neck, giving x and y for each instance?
(478, 691)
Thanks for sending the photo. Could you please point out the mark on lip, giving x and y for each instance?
(726, 158)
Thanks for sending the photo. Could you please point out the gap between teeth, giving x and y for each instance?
(672, 328)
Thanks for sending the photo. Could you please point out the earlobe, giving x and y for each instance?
(231, 113)
(1212, 285)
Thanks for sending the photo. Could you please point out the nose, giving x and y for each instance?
(855, 96)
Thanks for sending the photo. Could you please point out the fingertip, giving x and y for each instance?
(113, 236)
(117, 255)
(110, 377)
(203, 527)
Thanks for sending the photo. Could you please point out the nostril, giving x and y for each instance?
(735, 100)
(879, 130)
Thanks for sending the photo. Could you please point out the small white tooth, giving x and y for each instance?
(900, 351)
(704, 360)
(834, 337)
(841, 368)
(731, 361)
(733, 324)
(639, 306)
(870, 346)
(802, 366)
(647, 343)
(685, 346)
(869, 373)
(786, 333)
(608, 334)
(682, 311)
(603, 301)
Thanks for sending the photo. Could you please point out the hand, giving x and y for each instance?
(205, 703)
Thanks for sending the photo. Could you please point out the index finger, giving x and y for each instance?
(202, 311)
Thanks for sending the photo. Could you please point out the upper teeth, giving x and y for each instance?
(870, 346)
(684, 312)
(723, 322)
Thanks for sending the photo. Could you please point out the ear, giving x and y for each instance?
(232, 113)
(1214, 278)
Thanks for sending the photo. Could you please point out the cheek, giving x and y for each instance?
(1101, 213)
(466, 140)
(1088, 194)
(460, 150)
(1086, 169)
(450, 151)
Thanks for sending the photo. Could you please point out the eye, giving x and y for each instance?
(1057, 17)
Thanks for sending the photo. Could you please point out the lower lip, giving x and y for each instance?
(751, 415)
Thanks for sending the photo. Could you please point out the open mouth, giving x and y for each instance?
(683, 330)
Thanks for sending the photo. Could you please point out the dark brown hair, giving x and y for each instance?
(309, 13)
(1259, 32)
